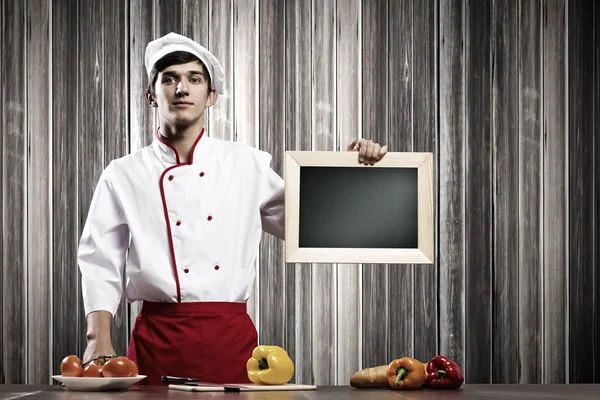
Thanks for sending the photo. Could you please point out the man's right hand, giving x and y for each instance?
(98, 335)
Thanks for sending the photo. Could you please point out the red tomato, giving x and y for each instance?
(92, 371)
(134, 369)
(71, 366)
(117, 368)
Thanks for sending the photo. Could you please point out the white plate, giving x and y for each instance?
(97, 384)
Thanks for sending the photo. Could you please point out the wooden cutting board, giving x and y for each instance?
(241, 388)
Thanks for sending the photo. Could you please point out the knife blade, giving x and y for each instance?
(177, 379)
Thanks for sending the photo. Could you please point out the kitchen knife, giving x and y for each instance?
(178, 379)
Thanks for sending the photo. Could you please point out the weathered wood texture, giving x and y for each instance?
(530, 198)
(14, 181)
(583, 338)
(451, 172)
(66, 293)
(478, 192)
(505, 191)
(554, 196)
(38, 198)
(506, 95)
(220, 43)
(2, 49)
(596, 206)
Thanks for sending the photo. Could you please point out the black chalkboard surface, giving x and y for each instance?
(349, 207)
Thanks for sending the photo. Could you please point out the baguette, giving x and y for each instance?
(370, 377)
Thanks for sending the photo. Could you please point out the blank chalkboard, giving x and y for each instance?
(349, 207)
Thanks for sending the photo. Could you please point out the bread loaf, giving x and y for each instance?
(370, 377)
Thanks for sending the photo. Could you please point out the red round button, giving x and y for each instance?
(178, 223)
(186, 270)
(217, 267)
(202, 173)
(209, 217)
(170, 177)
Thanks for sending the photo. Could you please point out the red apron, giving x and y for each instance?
(211, 341)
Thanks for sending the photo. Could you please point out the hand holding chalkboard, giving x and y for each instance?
(369, 152)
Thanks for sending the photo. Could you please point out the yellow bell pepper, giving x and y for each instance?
(270, 365)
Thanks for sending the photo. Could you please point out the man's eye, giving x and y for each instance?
(195, 80)
(169, 79)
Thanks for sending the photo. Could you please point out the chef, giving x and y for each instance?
(184, 215)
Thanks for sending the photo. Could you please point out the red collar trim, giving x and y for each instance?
(162, 139)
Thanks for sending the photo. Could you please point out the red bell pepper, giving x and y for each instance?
(443, 373)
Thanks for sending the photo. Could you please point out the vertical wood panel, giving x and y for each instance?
(554, 118)
(298, 113)
(90, 120)
(582, 338)
(116, 112)
(530, 171)
(14, 175)
(221, 124)
(195, 20)
(2, 51)
(244, 84)
(323, 133)
(478, 218)
(65, 235)
(348, 128)
(169, 17)
(243, 71)
(425, 139)
(375, 122)
(272, 127)
(38, 201)
(597, 181)
(401, 296)
(452, 182)
(505, 155)
(140, 114)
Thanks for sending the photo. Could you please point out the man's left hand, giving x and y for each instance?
(369, 152)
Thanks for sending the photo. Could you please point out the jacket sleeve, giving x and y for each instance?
(272, 209)
(102, 249)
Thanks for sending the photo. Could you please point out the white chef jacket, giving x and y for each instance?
(181, 232)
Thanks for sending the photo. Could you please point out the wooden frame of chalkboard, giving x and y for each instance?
(324, 252)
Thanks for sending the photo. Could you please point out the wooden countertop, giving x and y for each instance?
(497, 391)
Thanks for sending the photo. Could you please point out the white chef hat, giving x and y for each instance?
(172, 42)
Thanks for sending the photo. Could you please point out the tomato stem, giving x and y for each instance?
(102, 357)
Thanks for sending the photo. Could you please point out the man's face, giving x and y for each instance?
(181, 93)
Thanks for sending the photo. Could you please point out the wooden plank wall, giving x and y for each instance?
(506, 97)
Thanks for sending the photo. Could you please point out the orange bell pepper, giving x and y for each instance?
(406, 373)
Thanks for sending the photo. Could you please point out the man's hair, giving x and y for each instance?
(175, 58)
